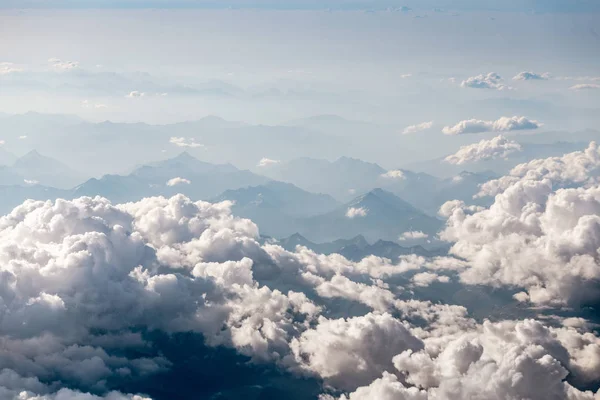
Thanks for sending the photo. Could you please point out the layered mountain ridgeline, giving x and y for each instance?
(358, 247)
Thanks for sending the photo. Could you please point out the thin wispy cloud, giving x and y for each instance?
(417, 127)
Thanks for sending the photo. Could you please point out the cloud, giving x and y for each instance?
(184, 142)
(498, 147)
(267, 162)
(404, 76)
(135, 93)
(61, 65)
(394, 174)
(8, 68)
(85, 285)
(417, 128)
(2, 142)
(542, 232)
(490, 81)
(506, 360)
(531, 76)
(354, 212)
(178, 181)
(87, 104)
(585, 86)
(30, 181)
(503, 124)
(22, 137)
(413, 235)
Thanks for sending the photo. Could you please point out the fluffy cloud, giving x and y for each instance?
(536, 235)
(507, 360)
(135, 93)
(417, 128)
(178, 181)
(267, 162)
(185, 142)
(8, 68)
(354, 212)
(585, 86)
(61, 65)
(490, 81)
(413, 235)
(498, 147)
(82, 280)
(531, 76)
(394, 174)
(504, 124)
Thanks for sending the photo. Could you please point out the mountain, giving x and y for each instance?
(13, 195)
(47, 171)
(340, 179)
(205, 180)
(290, 199)
(6, 157)
(276, 206)
(376, 215)
(357, 248)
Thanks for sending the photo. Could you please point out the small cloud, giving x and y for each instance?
(498, 147)
(185, 142)
(354, 212)
(61, 65)
(178, 181)
(2, 142)
(267, 162)
(8, 68)
(425, 279)
(135, 94)
(531, 76)
(394, 174)
(490, 81)
(417, 128)
(30, 181)
(503, 124)
(23, 137)
(413, 235)
(87, 104)
(585, 86)
(404, 76)
(352, 191)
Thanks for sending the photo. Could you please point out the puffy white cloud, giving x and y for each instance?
(531, 76)
(87, 104)
(135, 93)
(506, 360)
(62, 65)
(413, 235)
(394, 174)
(185, 142)
(8, 68)
(267, 162)
(351, 352)
(178, 181)
(489, 81)
(498, 147)
(536, 235)
(80, 276)
(417, 128)
(585, 86)
(354, 212)
(503, 124)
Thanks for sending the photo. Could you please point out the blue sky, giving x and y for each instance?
(463, 5)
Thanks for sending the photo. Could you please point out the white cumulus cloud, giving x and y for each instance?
(355, 212)
(489, 81)
(498, 147)
(531, 76)
(503, 124)
(267, 162)
(178, 181)
(185, 142)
